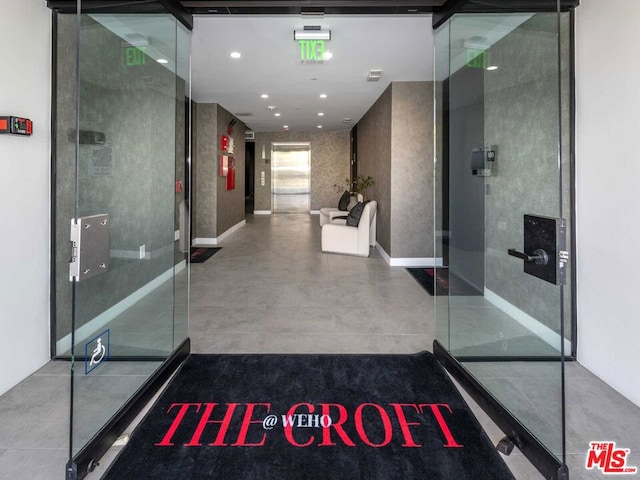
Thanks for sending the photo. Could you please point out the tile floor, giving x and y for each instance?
(271, 290)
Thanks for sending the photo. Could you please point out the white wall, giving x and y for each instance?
(25, 72)
(608, 191)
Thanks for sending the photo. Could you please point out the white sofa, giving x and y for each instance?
(328, 213)
(338, 238)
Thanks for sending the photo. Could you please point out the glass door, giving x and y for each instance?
(125, 194)
(502, 206)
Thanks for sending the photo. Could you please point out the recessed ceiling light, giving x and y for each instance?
(327, 55)
(264, 95)
(235, 55)
(162, 60)
(285, 126)
(346, 120)
(319, 126)
(320, 114)
(492, 67)
(323, 95)
(277, 114)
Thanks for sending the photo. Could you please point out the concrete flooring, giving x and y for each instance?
(271, 290)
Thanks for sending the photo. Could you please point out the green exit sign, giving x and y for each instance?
(477, 58)
(311, 50)
(133, 56)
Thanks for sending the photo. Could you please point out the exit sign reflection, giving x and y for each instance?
(134, 56)
(477, 58)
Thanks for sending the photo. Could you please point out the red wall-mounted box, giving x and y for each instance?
(16, 125)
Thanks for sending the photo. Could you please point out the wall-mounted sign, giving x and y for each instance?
(477, 58)
(133, 56)
(311, 50)
(224, 165)
(96, 351)
(100, 161)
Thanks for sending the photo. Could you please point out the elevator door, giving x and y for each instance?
(291, 177)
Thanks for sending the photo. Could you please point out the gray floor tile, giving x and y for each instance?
(271, 290)
(34, 464)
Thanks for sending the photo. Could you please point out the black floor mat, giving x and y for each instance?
(202, 254)
(310, 417)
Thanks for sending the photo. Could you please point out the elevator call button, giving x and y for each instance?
(16, 125)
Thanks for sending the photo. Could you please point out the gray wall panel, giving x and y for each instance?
(230, 204)
(374, 159)
(412, 169)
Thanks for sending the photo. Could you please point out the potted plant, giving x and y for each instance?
(355, 188)
(361, 183)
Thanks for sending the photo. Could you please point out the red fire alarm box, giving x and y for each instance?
(16, 125)
(224, 143)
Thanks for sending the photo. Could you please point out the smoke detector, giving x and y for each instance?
(271, 108)
(374, 75)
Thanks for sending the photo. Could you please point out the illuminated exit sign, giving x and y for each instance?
(311, 50)
(477, 58)
(133, 56)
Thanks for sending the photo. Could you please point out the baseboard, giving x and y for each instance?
(416, 262)
(527, 321)
(410, 261)
(383, 253)
(262, 212)
(207, 242)
(92, 326)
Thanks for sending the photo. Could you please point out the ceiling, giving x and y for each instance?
(400, 46)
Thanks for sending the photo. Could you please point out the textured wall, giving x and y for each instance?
(374, 158)
(205, 167)
(521, 118)
(329, 165)
(230, 202)
(412, 169)
(138, 191)
(395, 147)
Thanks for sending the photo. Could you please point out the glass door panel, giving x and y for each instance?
(499, 190)
(129, 298)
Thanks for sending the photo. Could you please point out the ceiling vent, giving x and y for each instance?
(249, 135)
(374, 75)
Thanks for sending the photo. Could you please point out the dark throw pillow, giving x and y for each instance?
(353, 219)
(343, 203)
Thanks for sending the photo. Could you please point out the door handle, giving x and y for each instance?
(539, 256)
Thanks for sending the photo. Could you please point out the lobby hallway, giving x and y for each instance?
(271, 290)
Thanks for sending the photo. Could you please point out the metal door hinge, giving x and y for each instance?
(90, 247)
